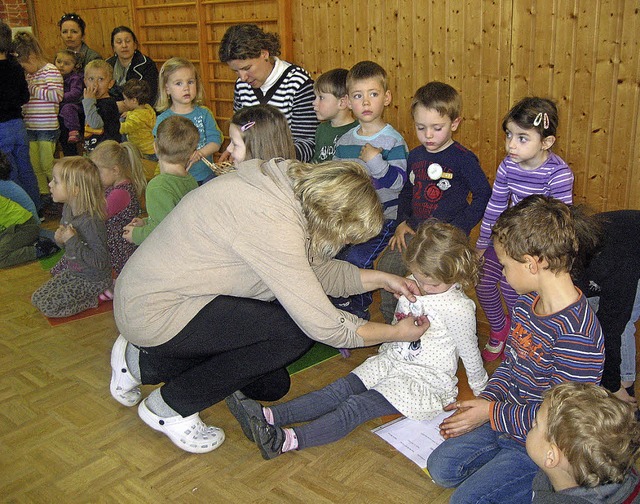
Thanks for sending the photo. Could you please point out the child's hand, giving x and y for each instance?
(469, 415)
(124, 114)
(368, 152)
(195, 157)
(136, 222)
(63, 233)
(127, 233)
(479, 253)
(90, 91)
(397, 240)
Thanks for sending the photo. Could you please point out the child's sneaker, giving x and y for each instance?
(74, 137)
(45, 247)
(495, 346)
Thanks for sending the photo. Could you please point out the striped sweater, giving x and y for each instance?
(388, 170)
(554, 178)
(46, 88)
(292, 93)
(540, 353)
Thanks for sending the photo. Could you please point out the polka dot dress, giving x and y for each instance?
(419, 378)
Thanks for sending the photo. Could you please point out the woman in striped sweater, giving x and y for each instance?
(263, 78)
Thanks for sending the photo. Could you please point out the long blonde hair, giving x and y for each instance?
(81, 178)
(126, 156)
(169, 68)
(339, 202)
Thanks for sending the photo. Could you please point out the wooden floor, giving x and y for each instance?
(63, 439)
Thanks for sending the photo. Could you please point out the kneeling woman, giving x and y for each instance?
(232, 287)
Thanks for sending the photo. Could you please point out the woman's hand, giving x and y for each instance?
(469, 415)
(401, 286)
(412, 328)
(408, 329)
(397, 240)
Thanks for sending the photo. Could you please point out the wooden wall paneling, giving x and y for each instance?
(565, 41)
(624, 113)
(101, 17)
(604, 72)
(577, 143)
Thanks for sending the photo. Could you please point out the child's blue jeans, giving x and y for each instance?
(486, 467)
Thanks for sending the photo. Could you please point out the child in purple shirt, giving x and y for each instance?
(529, 168)
(71, 105)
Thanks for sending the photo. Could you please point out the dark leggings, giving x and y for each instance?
(231, 344)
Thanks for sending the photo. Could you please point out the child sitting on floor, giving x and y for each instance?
(84, 272)
(177, 141)
(585, 441)
(555, 337)
(415, 379)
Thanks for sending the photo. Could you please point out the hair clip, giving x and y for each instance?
(246, 126)
(542, 118)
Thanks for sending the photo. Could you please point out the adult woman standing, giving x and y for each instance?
(195, 300)
(72, 28)
(265, 78)
(129, 63)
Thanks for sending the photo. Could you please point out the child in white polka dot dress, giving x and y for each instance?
(414, 379)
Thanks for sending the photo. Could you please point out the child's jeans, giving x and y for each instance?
(332, 412)
(363, 255)
(485, 466)
(628, 347)
(391, 262)
(15, 144)
(42, 147)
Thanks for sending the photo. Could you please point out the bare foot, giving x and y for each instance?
(623, 395)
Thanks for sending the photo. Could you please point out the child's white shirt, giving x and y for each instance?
(419, 378)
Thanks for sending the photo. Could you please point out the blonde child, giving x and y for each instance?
(177, 139)
(259, 132)
(180, 92)
(102, 118)
(71, 106)
(139, 119)
(84, 271)
(585, 442)
(415, 379)
(529, 168)
(41, 112)
(331, 106)
(124, 182)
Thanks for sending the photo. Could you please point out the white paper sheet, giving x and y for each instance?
(415, 440)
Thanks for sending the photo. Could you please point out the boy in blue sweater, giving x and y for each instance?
(382, 151)
(441, 176)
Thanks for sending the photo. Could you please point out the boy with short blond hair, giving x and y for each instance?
(102, 118)
(441, 176)
(332, 109)
(382, 151)
(585, 441)
(176, 142)
(555, 337)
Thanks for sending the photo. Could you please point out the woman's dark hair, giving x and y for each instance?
(120, 29)
(5, 38)
(72, 16)
(245, 41)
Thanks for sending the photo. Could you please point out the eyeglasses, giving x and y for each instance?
(72, 17)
